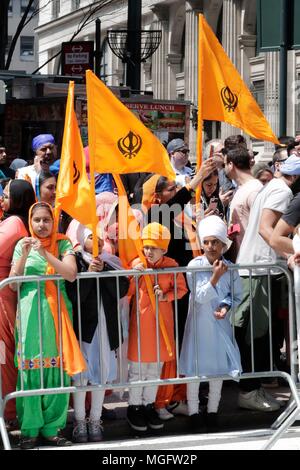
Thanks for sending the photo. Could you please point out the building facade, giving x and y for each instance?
(171, 73)
(25, 57)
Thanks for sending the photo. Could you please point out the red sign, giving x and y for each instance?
(171, 117)
(77, 57)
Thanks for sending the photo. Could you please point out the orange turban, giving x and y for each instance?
(156, 235)
(148, 192)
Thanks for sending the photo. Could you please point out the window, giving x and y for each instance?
(10, 8)
(24, 4)
(27, 48)
(75, 4)
(55, 8)
(9, 39)
(258, 91)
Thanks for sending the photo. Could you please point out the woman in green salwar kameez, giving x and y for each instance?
(44, 253)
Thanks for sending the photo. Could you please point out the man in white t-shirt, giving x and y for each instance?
(237, 168)
(266, 210)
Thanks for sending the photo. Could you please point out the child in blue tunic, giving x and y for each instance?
(208, 347)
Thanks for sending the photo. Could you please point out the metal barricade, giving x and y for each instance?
(281, 424)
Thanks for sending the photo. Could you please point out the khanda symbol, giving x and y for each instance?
(130, 145)
(230, 100)
(76, 174)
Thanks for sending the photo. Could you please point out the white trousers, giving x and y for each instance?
(96, 403)
(149, 371)
(214, 396)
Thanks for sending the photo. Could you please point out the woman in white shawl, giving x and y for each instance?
(208, 347)
(99, 330)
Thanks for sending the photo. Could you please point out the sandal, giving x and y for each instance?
(27, 443)
(57, 441)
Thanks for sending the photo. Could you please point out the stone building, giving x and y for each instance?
(171, 73)
(25, 57)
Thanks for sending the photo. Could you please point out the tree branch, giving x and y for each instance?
(17, 34)
(83, 23)
(3, 30)
(36, 11)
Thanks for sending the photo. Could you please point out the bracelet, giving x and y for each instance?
(190, 189)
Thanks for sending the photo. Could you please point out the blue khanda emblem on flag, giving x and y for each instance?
(130, 145)
(230, 100)
(76, 174)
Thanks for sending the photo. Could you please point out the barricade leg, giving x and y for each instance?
(289, 421)
(288, 410)
(4, 434)
(3, 431)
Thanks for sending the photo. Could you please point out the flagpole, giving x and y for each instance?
(200, 94)
(91, 139)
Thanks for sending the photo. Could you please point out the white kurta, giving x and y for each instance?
(101, 361)
(212, 350)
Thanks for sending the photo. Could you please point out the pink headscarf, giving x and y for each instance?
(106, 204)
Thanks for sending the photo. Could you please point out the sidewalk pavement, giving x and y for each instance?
(231, 418)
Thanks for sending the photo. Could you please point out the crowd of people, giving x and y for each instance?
(248, 214)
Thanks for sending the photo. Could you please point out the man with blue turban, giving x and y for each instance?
(45, 152)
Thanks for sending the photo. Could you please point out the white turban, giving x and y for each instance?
(213, 226)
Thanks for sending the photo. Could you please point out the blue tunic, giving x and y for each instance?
(213, 350)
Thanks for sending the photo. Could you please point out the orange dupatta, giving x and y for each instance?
(73, 360)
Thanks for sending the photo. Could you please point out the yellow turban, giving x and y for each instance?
(156, 235)
(149, 191)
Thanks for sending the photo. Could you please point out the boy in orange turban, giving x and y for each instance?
(144, 332)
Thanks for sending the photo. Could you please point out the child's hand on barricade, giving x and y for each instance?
(161, 296)
(96, 265)
(140, 267)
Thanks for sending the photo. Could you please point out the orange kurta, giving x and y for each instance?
(148, 345)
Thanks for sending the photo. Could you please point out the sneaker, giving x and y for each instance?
(271, 398)
(164, 414)
(136, 418)
(95, 431)
(80, 435)
(198, 423)
(152, 417)
(179, 408)
(256, 400)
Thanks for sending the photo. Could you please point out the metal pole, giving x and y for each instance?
(283, 67)
(134, 21)
(98, 47)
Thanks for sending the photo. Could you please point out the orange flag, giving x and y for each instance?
(74, 194)
(118, 141)
(222, 94)
(131, 247)
(129, 234)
